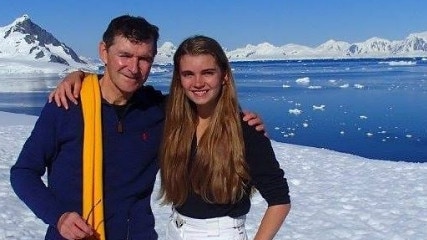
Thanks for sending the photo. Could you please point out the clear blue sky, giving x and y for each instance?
(80, 24)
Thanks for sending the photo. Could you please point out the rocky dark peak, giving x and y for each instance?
(34, 34)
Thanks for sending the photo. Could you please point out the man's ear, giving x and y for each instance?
(103, 52)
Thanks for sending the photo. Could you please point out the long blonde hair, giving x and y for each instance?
(217, 171)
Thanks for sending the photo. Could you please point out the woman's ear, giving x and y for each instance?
(225, 79)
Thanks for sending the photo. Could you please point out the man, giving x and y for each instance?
(132, 122)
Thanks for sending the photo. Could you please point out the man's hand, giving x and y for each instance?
(68, 88)
(254, 120)
(72, 226)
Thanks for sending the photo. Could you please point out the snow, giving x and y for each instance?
(334, 195)
(15, 66)
(23, 54)
(19, 54)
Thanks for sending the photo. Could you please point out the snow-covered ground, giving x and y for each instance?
(334, 195)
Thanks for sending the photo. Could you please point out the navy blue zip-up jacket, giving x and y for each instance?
(130, 148)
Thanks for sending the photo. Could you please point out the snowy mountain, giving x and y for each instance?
(24, 43)
(415, 45)
(26, 47)
(165, 53)
(23, 38)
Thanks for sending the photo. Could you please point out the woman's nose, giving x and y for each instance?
(199, 81)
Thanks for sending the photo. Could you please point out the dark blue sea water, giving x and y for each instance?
(375, 108)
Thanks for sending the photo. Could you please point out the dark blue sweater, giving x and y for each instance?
(130, 165)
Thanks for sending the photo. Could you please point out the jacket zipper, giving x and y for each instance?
(120, 126)
(120, 113)
(128, 230)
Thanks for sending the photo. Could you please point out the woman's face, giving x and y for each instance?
(202, 80)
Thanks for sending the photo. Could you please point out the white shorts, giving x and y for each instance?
(181, 227)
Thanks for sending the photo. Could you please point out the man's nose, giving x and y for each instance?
(133, 65)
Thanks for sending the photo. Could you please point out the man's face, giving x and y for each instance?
(127, 64)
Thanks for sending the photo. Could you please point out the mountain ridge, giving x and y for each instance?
(25, 42)
(32, 41)
(415, 45)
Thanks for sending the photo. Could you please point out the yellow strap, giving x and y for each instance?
(93, 205)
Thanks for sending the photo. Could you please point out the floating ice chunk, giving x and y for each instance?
(363, 117)
(295, 111)
(369, 134)
(359, 86)
(319, 107)
(345, 85)
(400, 63)
(285, 86)
(303, 81)
(289, 135)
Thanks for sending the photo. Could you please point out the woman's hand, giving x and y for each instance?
(272, 221)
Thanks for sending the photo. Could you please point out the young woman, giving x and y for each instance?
(211, 161)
